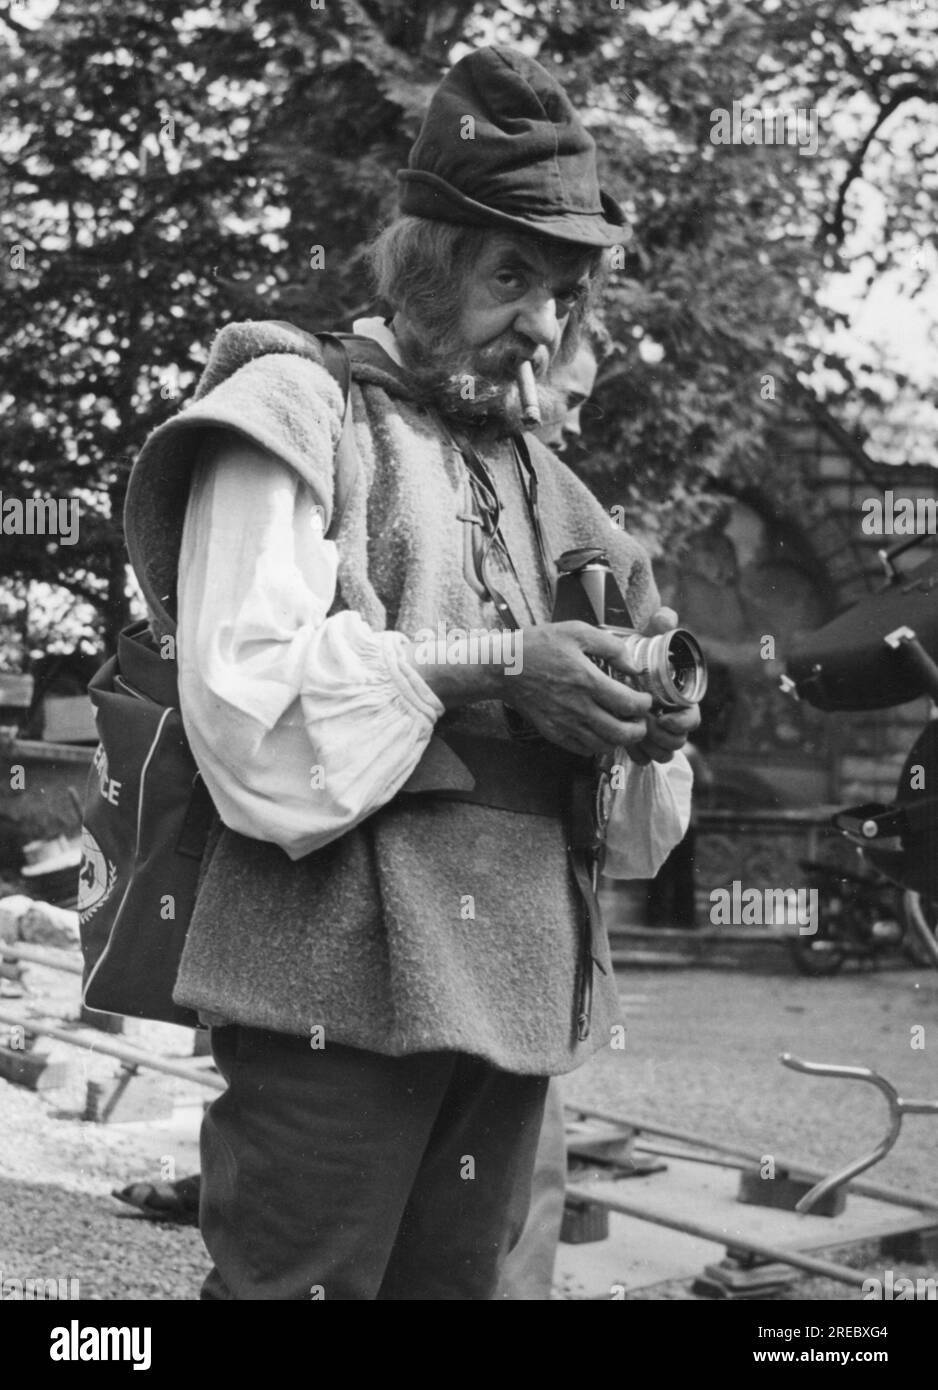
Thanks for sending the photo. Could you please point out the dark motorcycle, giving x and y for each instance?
(862, 916)
(881, 652)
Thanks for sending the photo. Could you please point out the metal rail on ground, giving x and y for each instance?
(108, 1047)
(782, 1254)
(50, 956)
(794, 1167)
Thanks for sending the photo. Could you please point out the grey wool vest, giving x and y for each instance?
(435, 924)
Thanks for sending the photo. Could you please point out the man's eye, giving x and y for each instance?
(571, 297)
(508, 280)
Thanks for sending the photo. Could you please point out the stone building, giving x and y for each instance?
(782, 558)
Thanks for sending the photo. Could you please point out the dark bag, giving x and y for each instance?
(147, 813)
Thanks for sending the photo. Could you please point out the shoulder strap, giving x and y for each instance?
(336, 360)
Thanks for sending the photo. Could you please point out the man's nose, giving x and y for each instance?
(571, 425)
(537, 318)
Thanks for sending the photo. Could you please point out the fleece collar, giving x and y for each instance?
(240, 343)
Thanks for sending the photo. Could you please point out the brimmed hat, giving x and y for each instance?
(524, 162)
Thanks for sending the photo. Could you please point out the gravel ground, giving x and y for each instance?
(701, 1056)
(57, 1217)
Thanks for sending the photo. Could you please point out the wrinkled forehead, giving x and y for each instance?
(550, 259)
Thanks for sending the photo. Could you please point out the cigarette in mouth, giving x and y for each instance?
(531, 410)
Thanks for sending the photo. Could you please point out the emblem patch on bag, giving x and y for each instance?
(96, 877)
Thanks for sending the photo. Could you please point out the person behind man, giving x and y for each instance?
(672, 893)
(389, 943)
(574, 381)
(528, 1272)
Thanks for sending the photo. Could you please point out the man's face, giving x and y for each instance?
(574, 381)
(516, 301)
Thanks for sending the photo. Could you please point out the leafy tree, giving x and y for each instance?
(167, 167)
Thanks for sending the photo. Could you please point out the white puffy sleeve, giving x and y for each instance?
(302, 725)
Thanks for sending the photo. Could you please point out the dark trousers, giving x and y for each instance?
(671, 893)
(528, 1273)
(343, 1174)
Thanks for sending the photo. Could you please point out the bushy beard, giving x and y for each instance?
(474, 388)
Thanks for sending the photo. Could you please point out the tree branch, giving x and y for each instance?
(910, 91)
(14, 24)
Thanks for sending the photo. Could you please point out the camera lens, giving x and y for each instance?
(686, 666)
(671, 666)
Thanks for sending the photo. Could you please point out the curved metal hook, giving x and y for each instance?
(897, 1108)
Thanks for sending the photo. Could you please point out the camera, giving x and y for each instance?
(671, 665)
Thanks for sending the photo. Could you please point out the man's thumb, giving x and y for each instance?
(662, 621)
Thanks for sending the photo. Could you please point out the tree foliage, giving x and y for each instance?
(166, 167)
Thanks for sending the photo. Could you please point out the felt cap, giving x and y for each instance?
(501, 146)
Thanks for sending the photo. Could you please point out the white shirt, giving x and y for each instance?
(302, 724)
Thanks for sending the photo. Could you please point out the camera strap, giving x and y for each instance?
(527, 473)
(489, 509)
(581, 789)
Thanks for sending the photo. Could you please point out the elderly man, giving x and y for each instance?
(391, 943)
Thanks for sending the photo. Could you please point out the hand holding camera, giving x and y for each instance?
(564, 693)
(575, 690)
(643, 690)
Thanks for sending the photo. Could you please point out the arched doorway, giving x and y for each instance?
(746, 584)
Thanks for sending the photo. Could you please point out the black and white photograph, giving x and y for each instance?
(469, 666)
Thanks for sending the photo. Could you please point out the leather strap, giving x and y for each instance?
(347, 462)
(336, 360)
(497, 772)
(520, 778)
(489, 507)
(584, 843)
